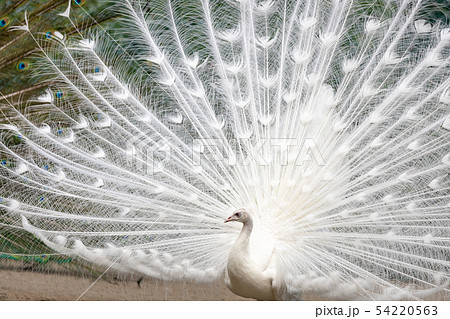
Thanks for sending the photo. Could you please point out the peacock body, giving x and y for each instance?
(327, 121)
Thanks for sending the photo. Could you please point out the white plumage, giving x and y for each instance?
(326, 120)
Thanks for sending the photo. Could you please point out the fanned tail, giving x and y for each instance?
(327, 121)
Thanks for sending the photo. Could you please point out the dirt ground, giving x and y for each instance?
(25, 281)
(19, 282)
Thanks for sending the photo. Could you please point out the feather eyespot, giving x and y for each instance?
(97, 69)
(18, 139)
(48, 34)
(79, 2)
(4, 22)
(22, 66)
(59, 94)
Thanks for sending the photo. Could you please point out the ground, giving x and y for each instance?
(28, 282)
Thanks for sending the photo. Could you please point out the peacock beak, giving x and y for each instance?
(228, 220)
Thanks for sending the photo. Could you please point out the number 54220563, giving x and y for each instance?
(406, 310)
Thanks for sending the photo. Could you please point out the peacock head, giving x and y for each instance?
(240, 215)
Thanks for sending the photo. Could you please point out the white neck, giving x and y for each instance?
(244, 237)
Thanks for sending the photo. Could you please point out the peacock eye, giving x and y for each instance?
(22, 66)
(4, 22)
(237, 215)
(48, 34)
(79, 2)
